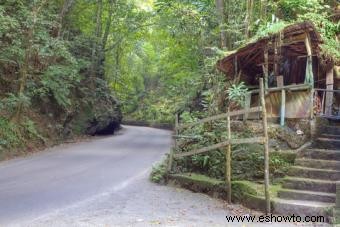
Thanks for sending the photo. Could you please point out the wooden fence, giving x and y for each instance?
(229, 141)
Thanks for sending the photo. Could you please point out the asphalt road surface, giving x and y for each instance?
(102, 182)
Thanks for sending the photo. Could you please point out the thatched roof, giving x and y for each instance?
(291, 41)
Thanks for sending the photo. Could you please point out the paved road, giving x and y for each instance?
(30, 187)
(102, 182)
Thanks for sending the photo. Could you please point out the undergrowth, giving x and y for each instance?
(15, 136)
(159, 172)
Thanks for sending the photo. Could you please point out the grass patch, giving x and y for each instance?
(241, 190)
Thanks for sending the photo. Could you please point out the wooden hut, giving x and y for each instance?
(298, 76)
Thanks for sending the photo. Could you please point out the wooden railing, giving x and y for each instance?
(328, 106)
(283, 90)
(229, 141)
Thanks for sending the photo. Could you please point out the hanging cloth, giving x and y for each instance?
(309, 78)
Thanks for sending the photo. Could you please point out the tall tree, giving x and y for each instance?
(37, 7)
(220, 8)
(249, 17)
(96, 42)
(63, 12)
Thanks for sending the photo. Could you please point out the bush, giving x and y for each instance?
(159, 172)
(9, 136)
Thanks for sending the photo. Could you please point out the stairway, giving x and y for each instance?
(309, 188)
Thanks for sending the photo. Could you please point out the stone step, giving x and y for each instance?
(306, 195)
(323, 154)
(331, 136)
(313, 173)
(322, 164)
(301, 208)
(335, 130)
(329, 143)
(309, 184)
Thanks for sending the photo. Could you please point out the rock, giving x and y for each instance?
(106, 117)
(291, 138)
(100, 114)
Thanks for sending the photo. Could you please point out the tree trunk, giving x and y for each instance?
(108, 23)
(263, 10)
(220, 8)
(227, 33)
(96, 43)
(103, 42)
(66, 8)
(249, 17)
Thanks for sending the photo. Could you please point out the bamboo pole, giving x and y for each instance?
(276, 67)
(220, 116)
(247, 106)
(259, 140)
(294, 87)
(171, 158)
(266, 147)
(283, 108)
(311, 109)
(228, 160)
(312, 91)
(329, 95)
(266, 67)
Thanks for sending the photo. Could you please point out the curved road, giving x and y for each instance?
(100, 182)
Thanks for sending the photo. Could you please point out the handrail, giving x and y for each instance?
(294, 87)
(259, 140)
(326, 90)
(220, 116)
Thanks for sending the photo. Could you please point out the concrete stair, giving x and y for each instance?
(330, 129)
(310, 187)
(320, 163)
(326, 142)
(307, 195)
(313, 173)
(300, 183)
(324, 154)
(302, 208)
(332, 136)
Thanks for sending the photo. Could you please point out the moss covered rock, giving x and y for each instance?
(100, 114)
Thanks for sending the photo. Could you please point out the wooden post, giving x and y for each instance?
(329, 95)
(337, 195)
(235, 66)
(309, 77)
(266, 67)
(323, 102)
(266, 147)
(312, 91)
(308, 46)
(276, 61)
(337, 205)
(280, 82)
(312, 123)
(228, 160)
(171, 158)
(247, 105)
(283, 107)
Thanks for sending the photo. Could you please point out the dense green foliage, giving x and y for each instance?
(50, 72)
(168, 65)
